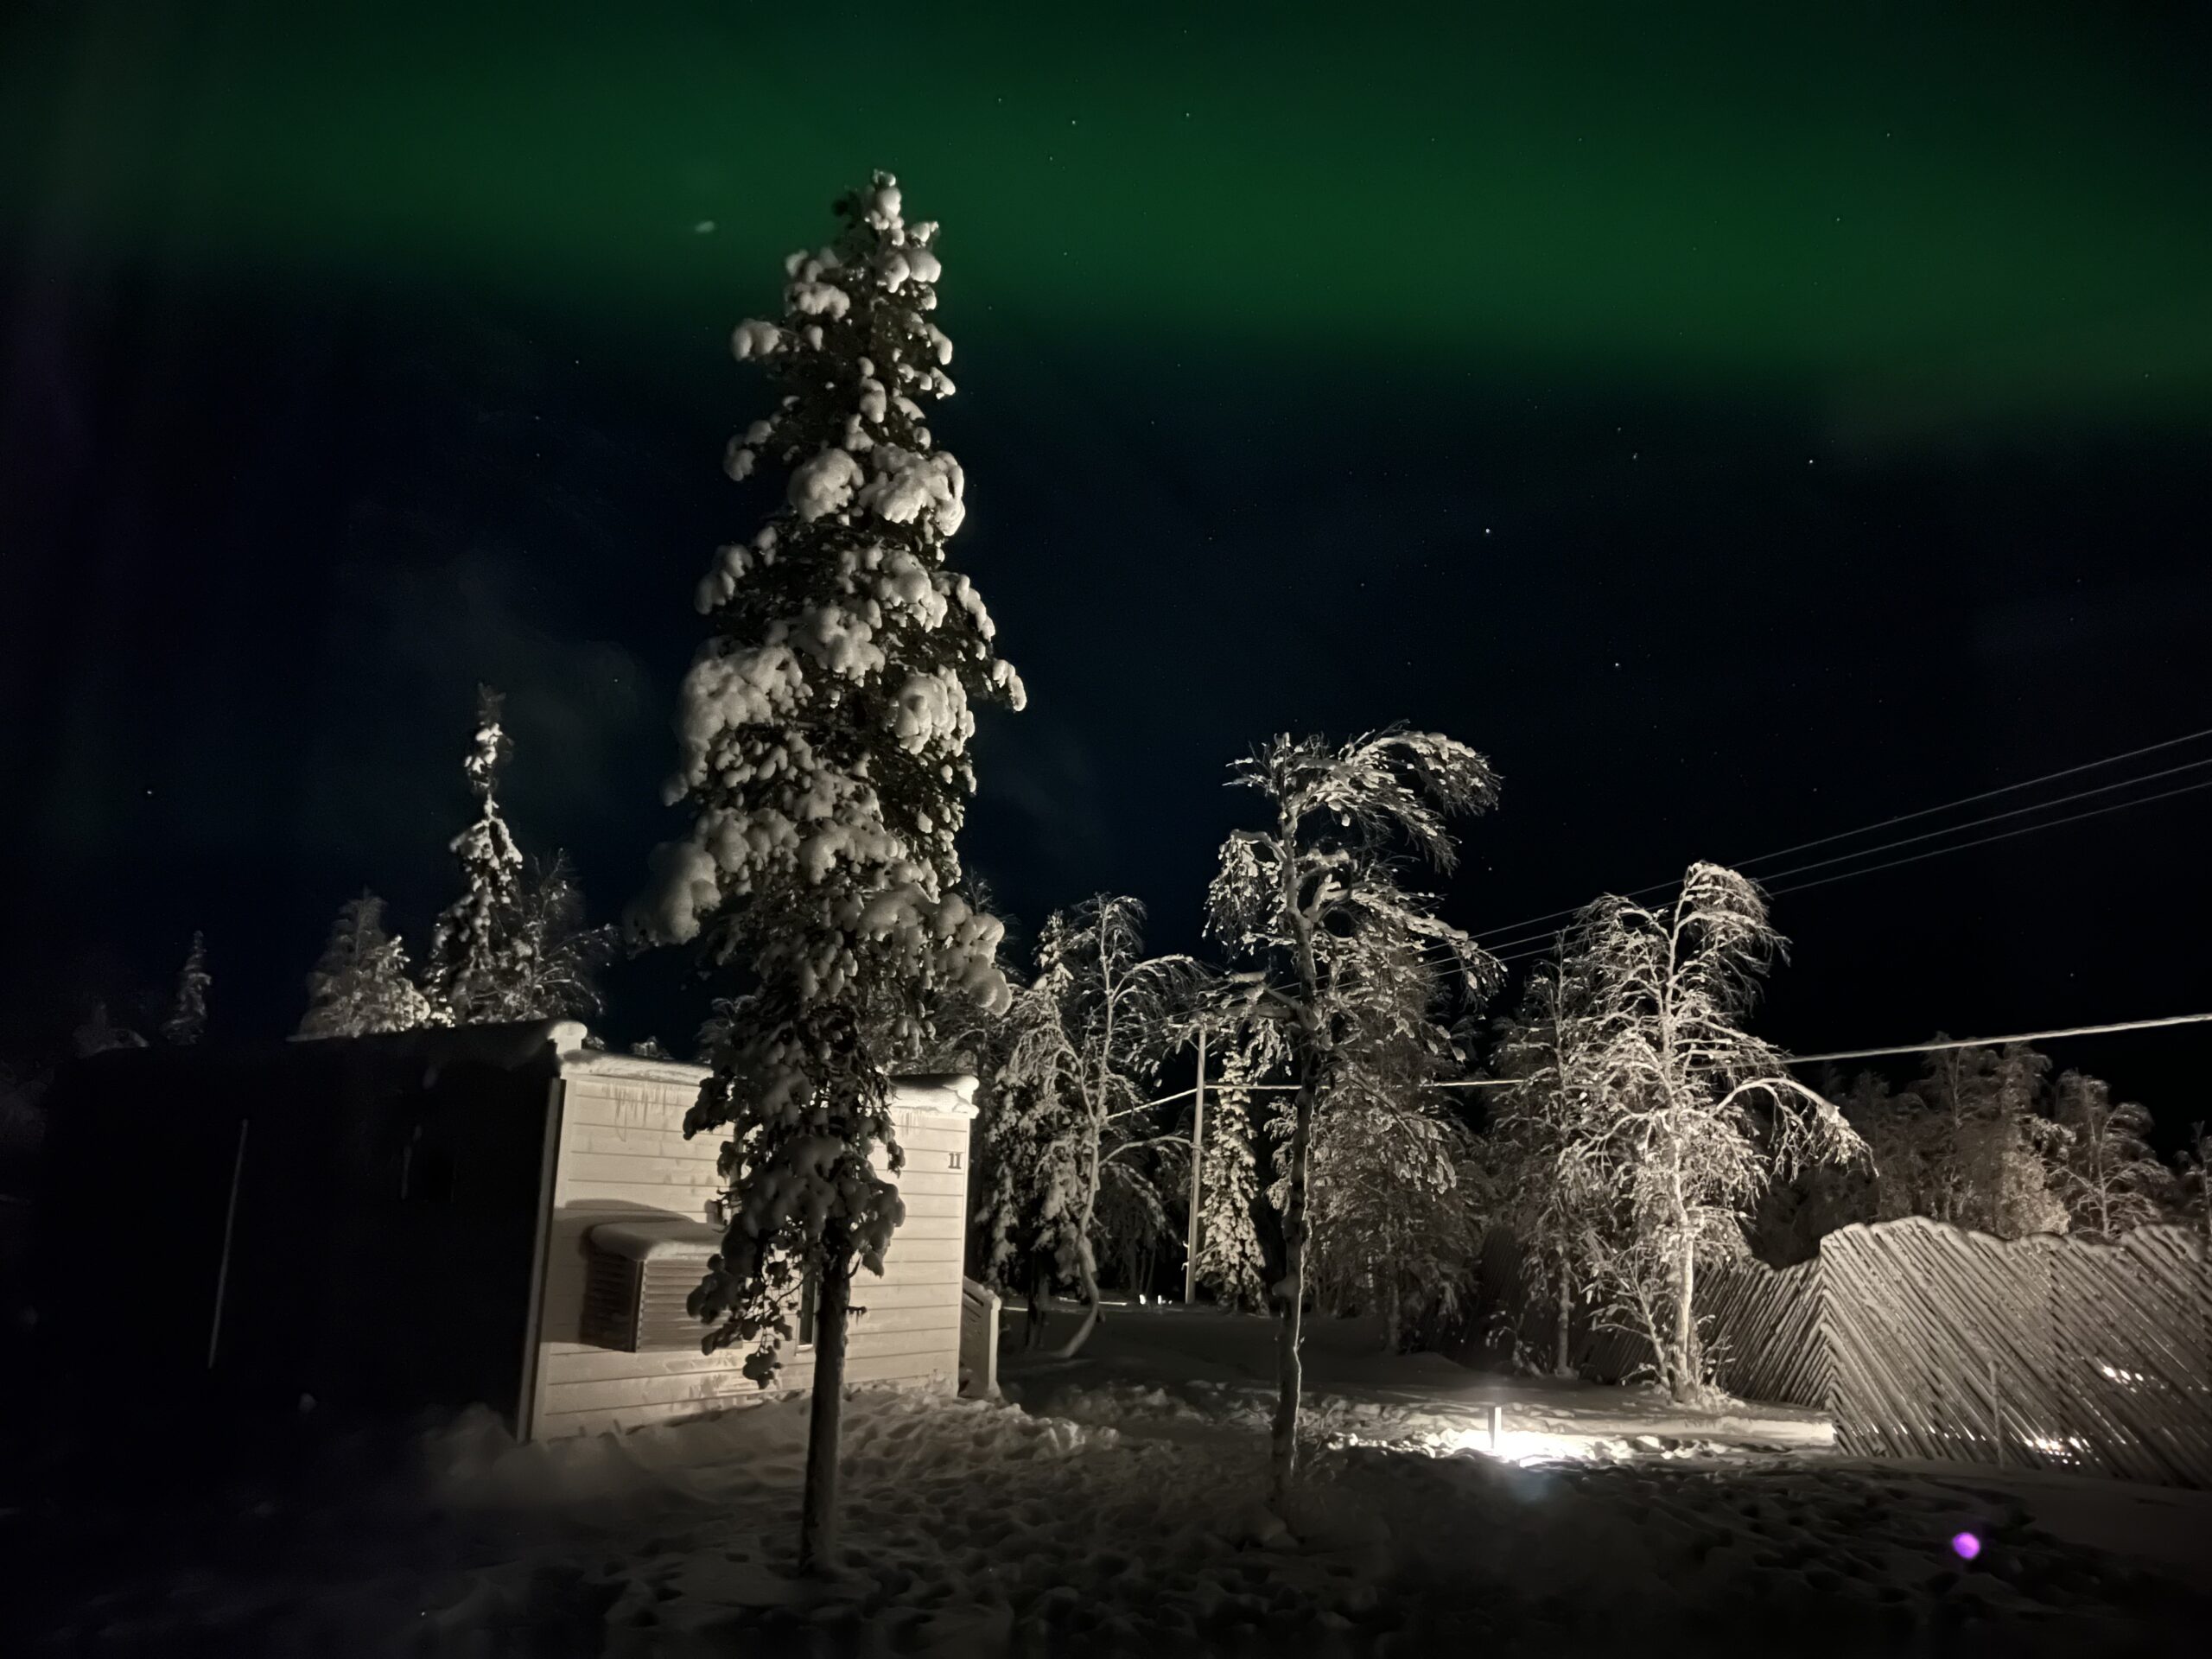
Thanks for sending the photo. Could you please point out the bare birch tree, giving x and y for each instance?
(2110, 1179)
(1088, 1035)
(1690, 1115)
(1311, 910)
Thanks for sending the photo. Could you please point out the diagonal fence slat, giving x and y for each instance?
(1923, 1340)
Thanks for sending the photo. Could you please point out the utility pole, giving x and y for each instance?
(1197, 1137)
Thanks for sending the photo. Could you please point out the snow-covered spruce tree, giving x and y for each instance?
(360, 986)
(1990, 1156)
(23, 1116)
(2110, 1179)
(1087, 1034)
(472, 959)
(187, 1017)
(1691, 1115)
(99, 1032)
(823, 733)
(1797, 1211)
(1230, 1263)
(1901, 1149)
(2195, 1171)
(1026, 1166)
(1310, 910)
(1542, 1049)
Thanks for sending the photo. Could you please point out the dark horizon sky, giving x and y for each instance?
(1742, 429)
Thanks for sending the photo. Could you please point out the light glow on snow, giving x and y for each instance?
(1966, 1546)
(1520, 1446)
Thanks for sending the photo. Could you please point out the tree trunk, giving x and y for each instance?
(1685, 1366)
(817, 1526)
(1087, 1272)
(1393, 1311)
(1565, 1316)
(1086, 1259)
(1282, 1459)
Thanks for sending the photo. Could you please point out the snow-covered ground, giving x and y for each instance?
(1165, 1369)
(1113, 1510)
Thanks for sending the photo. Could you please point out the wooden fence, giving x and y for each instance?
(1922, 1340)
(2047, 1352)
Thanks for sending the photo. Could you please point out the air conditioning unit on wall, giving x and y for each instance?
(639, 1279)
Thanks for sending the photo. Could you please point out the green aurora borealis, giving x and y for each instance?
(1926, 215)
(1743, 421)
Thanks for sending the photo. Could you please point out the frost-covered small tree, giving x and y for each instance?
(1311, 910)
(1542, 1051)
(360, 985)
(2110, 1179)
(188, 1016)
(823, 731)
(472, 959)
(1690, 1114)
(1230, 1263)
(2195, 1183)
(1087, 1036)
(555, 959)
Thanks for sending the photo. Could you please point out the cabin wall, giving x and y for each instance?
(622, 1153)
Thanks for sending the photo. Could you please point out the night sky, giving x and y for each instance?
(1742, 429)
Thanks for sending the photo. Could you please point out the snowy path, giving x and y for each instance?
(977, 1529)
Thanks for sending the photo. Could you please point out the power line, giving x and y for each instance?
(1903, 817)
(1221, 1088)
(1440, 952)
(1933, 834)
(1994, 1042)
(1544, 947)
(1983, 840)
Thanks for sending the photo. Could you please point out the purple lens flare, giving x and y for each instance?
(1967, 1546)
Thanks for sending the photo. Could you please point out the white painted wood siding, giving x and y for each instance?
(622, 1153)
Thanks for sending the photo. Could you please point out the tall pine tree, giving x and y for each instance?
(823, 731)
(187, 1017)
(474, 957)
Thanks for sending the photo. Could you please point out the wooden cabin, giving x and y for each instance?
(431, 1219)
(630, 1224)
